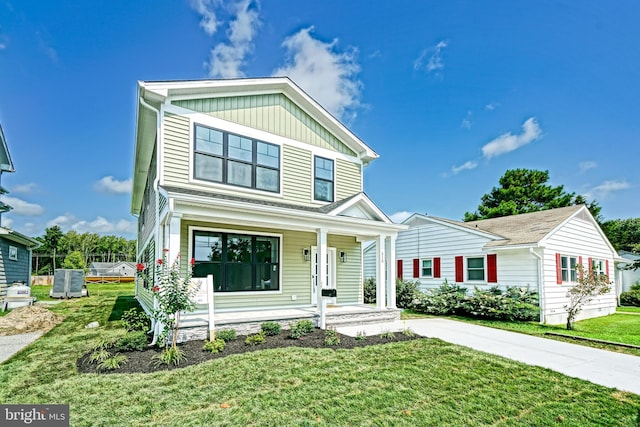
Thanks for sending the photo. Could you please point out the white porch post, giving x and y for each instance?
(173, 237)
(391, 269)
(381, 298)
(321, 279)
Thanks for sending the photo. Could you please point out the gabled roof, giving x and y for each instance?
(6, 165)
(14, 236)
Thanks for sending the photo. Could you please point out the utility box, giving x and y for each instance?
(68, 283)
(329, 293)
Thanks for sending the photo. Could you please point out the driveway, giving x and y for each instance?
(10, 345)
(607, 368)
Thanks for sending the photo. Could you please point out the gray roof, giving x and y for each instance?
(6, 165)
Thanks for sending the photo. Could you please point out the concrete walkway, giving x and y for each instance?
(10, 345)
(607, 368)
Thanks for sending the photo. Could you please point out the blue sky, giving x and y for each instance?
(450, 94)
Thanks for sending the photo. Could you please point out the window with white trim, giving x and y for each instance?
(426, 269)
(323, 179)
(568, 268)
(475, 268)
(598, 266)
(232, 159)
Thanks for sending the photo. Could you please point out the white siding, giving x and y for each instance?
(577, 238)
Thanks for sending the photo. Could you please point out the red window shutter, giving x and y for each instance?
(606, 266)
(580, 262)
(436, 267)
(590, 263)
(399, 269)
(459, 269)
(416, 268)
(558, 269)
(492, 267)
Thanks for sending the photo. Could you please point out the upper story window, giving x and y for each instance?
(323, 179)
(427, 268)
(475, 268)
(568, 268)
(236, 160)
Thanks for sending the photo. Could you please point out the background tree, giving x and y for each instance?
(74, 260)
(52, 239)
(524, 191)
(624, 234)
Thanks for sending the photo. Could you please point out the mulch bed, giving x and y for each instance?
(143, 362)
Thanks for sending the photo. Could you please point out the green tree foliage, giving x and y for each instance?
(624, 234)
(524, 191)
(74, 260)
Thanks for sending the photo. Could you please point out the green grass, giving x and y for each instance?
(420, 382)
(628, 309)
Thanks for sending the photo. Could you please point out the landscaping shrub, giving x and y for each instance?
(226, 335)
(215, 346)
(369, 289)
(271, 328)
(256, 339)
(136, 340)
(112, 362)
(406, 293)
(301, 328)
(331, 337)
(445, 300)
(631, 297)
(135, 319)
(170, 356)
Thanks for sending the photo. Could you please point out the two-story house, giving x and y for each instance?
(263, 189)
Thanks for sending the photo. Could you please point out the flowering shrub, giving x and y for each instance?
(174, 294)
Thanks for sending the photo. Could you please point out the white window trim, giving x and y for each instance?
(313, 178)
(193, 228)
(568, 269)
(484, 267)
(421, 268)
(13, 253)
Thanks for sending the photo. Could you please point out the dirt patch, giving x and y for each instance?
(142, 361)
(31, 318)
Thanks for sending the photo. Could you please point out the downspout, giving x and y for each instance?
(540, 283)
(155, 326)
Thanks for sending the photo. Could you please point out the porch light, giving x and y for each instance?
(343, 256)
(305, 254)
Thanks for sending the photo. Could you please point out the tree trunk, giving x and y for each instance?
(569, 323)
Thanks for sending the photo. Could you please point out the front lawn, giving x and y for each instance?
(420, 382)
(628, 309)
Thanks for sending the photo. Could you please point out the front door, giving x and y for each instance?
(330, 280)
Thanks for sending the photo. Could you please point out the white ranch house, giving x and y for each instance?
(263, 189)
(535, 250)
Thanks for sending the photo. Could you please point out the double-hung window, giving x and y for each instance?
(238, 262)
(598, 266)
(323, 179)
(427, 268)
(475, 268)
(568, 268)
(233, 159)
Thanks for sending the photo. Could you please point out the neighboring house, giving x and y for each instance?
(627, 278)
(261, 187)
(121, 268)
(536, 250)
(15, 248)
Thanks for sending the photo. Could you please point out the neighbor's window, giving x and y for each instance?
(323, 179)
(475, 268)
(598, 266)
(236, 160)
(427, 268)
(568, 268)
(238, 262)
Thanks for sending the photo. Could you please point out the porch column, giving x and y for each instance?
(381, 298)
(172, 238)
(321, 277)
(391, 269)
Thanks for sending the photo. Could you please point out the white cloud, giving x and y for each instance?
(398, 217)
(62, 221)
(606, 188)
(226, 60)
(24, 188)
(466, 166)
(7, 222)
(101, 225)
(491, 106)
(20, 207)
(3, 46)
(585, 166)
(466, 122)
(431, 59)
(109, 184)
(329, 76)
(209, 20)
(508, 142)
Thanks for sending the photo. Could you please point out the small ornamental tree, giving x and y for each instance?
(590, 284)
(174, 294)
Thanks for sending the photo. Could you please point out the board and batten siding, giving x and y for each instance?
(577, 238)
(14, 270)
(273, 113)
(348, 274)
